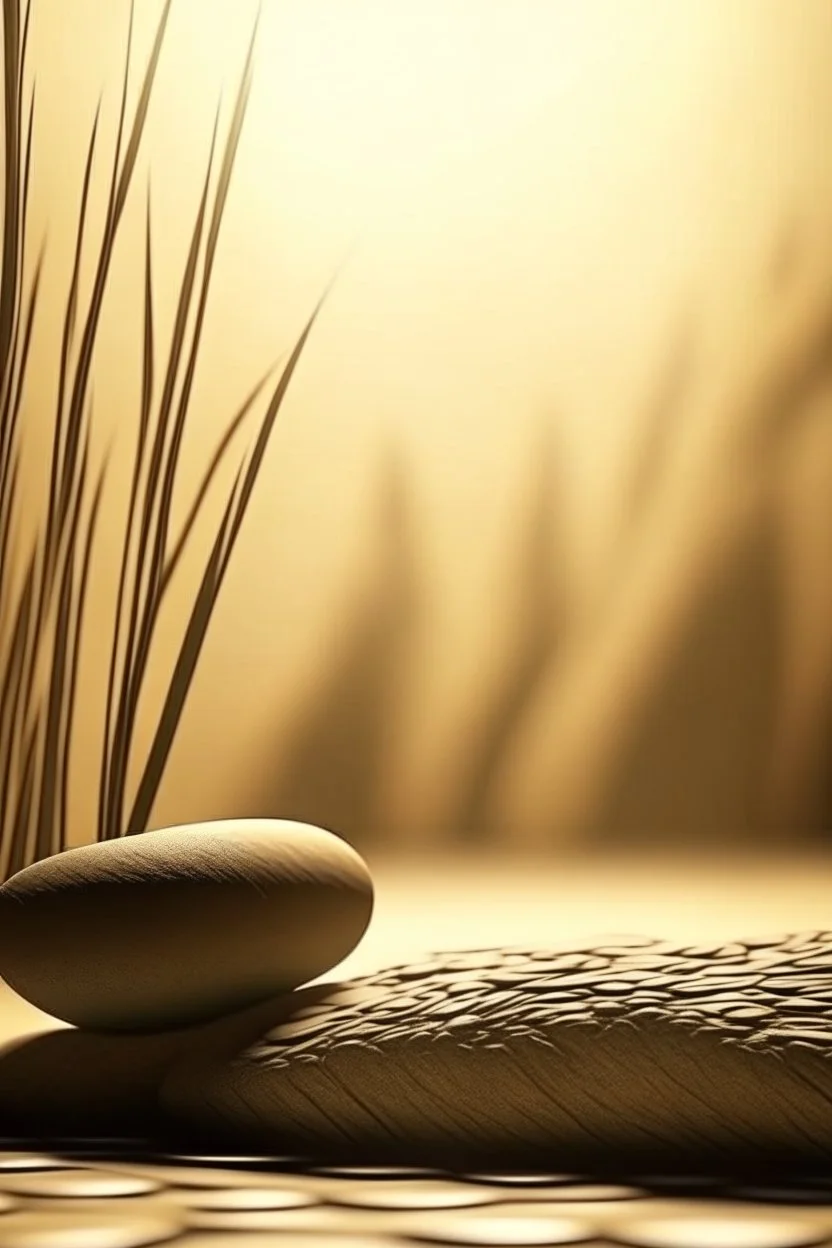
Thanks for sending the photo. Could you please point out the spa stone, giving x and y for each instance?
(181, 924)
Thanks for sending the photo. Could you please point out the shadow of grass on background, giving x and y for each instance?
(694, 763)
(43, 609)
(332, 765)
(331, 769)
(693, 759)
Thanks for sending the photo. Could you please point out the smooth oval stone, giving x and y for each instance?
(181, 924)
(529, 1080)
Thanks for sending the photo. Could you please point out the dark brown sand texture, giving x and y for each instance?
(626, 1046)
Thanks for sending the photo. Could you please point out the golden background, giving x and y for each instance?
(451, 616)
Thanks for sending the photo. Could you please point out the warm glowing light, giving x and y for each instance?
(530, 193)
(388, 94)
(380, 82)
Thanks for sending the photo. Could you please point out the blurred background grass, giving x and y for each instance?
(518, 570)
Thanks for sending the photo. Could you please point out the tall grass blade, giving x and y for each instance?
(8, 498)
(140, 116)
(7, 375)
(23, 56)
(158, 498)
(275, 404)
(10, 706)
(19, 840)
(69, 321)
(79, 610)
(210, 586)
(27, 171)
(45, 843)
(214, 465)
(11, 202)
(122, 113)
(12, 414)
(230, 154)
(148, 371)
(88, 337)
(16, 365)
(217, 213)
(226, 169)
(157, 568)
(183, 673)
(10, 460)
(142, 602)
(56, 532)
(24, 152)
(20, 630)
(28, 329)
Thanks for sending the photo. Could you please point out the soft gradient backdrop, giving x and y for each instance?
(452, 613)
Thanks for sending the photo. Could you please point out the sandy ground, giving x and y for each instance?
(436, 903)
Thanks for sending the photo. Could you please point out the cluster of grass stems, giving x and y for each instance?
(42, 604)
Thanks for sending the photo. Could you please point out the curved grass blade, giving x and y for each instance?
(12, 412)
(217, 213)
(69, 694)
(157, 579)
(148, 372)
(275, 403)
(210, 586)
(90, 330)
(154, 502)
(20, 629)
(141, 605)
(68, 331)
(11, 201)
(140, 116)
(19, 856)
(10, 706)
(16, 364)
(122, 113)
(24, 152)
(45, 840)
(8, 497)
(23, 56)
(183, 673)
(214, 465)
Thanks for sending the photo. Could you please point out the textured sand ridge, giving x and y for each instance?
(673, 1053)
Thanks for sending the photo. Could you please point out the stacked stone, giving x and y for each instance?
(184, 958)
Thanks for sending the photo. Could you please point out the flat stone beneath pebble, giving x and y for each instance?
(663, 1052)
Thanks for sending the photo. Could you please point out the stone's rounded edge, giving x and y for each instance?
(354, 866)
(291, 864)
(99, 861)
